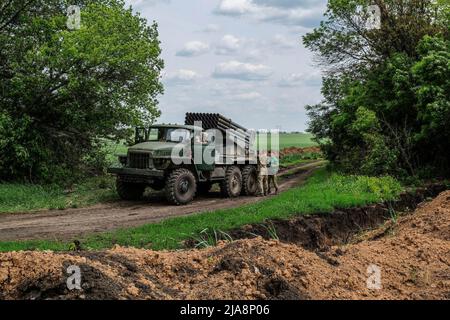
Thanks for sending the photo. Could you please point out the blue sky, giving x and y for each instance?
(241, 58)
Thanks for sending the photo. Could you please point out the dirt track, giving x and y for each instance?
(67, 224)
(412, 254)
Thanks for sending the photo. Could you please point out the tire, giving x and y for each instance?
(129, 191)
(250, 181)
(204, 187)
(231, 186)
(181, 187)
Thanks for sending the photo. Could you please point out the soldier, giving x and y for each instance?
(273, 164)
(262, 173)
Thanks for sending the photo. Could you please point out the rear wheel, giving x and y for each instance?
(231, 186)
(181, 187)
(250, 180)
(129, 191)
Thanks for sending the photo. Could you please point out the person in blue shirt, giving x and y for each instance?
(273, 166)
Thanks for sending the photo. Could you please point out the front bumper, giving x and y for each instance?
(137, 175)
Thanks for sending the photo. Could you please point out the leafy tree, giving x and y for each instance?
(386, 89)
(63, 90)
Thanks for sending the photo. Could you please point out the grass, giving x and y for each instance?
(15, 197)
(323, 192)
(298, 158)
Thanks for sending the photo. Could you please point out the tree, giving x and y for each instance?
(396, 76)
(63, 90)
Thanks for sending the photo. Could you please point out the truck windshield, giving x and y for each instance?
(169, 134)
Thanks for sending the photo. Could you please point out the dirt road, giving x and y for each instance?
(71, 223)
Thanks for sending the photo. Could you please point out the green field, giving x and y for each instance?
(301, 140)
(322, 193)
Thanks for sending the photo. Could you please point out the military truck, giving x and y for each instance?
(164, 158)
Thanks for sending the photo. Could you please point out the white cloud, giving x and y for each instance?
(211, 28)
(289, 3)
(181, 77)
(235, 7)
(242, 71)
(287, 12)
(313, 78)
(142, 3)
(229, 44)
(248, 96)
(282, 42)
(193, 49)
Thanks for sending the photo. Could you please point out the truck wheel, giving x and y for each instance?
(231, 186)
(250, 181)
(181, 187)
(129, 191)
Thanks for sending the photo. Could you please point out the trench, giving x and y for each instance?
(318, 232)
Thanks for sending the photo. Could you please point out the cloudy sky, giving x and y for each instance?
(241, 58)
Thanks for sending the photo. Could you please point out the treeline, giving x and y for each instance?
(386, 87)
(63, 89)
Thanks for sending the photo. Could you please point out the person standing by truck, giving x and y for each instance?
(274, 165)
(262, 173)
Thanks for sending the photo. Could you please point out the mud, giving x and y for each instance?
(75, 223)
(413, 258)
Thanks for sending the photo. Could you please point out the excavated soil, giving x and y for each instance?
(412, 253)
(297, 150)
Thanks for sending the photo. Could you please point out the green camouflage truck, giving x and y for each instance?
(171, 158)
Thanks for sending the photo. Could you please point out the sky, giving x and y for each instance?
(241, 58)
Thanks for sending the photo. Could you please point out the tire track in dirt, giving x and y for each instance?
(72, 223)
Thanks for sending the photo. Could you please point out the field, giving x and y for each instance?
(301, 140)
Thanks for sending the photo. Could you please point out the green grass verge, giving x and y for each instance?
(15, 197)
(323, 192)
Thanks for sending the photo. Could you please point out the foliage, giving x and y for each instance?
(63, 90)
(386, 107)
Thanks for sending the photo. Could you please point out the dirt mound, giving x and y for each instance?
(412, 253)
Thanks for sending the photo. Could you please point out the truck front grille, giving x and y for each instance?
(138, 160)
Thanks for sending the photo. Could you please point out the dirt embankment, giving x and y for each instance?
(412, 254)
(296, 150)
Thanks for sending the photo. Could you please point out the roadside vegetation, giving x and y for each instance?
(15, 197)
(323, 192)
